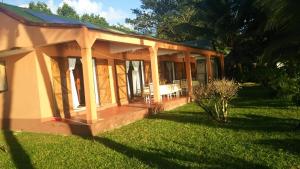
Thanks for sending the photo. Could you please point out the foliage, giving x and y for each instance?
(156, 108)
(67, 11)
(284, 80)
(214, 97)
(284, 85)
(123, 28)
(40, 6)
(227, 24)
(95, 19)
(282, 26)
(157, 18)
(262, 32)
(296, 99)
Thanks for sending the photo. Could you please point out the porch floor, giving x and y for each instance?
(136, 106)
(109, 119)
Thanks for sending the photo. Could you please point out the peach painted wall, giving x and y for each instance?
(21, 100)
(44, 82)
(20, 35)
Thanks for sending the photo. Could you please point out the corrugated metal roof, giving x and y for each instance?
(44, 18)
(21, 12)
(57, 19)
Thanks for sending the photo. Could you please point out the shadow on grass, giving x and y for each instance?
(261, 123)
(247, 122)
(149, 158)
(260, 103)
(19, 156)
(289, 145)
(159, 158)
(256, 92)
(258, 96)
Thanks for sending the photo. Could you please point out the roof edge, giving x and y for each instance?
(30, 23)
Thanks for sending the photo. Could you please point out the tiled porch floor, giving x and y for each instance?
(135, 106)
(108, 119)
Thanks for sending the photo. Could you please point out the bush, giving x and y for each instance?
(214, 98)
(156, 108)
(284, 85)
(284, 80)
(296, 99)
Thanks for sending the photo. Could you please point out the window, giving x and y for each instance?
(3, 82)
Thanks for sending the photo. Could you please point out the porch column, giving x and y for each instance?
(222, 66)
(188, 71)
(154, 72)
(208, 68)
(88, 78)
(112, 80)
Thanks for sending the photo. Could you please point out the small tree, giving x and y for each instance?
(67, 11)
(40, 6)
(94, 19)
(214, 98)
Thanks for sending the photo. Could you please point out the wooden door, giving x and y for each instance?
(103, 81)
(147, 72)
(121, 81)
(61, 86)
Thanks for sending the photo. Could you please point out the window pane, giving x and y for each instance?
(3, 83)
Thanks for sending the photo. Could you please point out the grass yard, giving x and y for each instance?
(260, 135)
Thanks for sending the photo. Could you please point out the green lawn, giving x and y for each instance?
(260, 134)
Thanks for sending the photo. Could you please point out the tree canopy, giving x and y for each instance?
(67, 11)
(246, 30)
(282, 25)
(95, 19)
(40, 6)
(261, 38)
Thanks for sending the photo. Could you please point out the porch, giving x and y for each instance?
(111, 118)
(116, 76)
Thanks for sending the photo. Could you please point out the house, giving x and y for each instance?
(64, 76)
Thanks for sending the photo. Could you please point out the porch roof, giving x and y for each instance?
(35, 18)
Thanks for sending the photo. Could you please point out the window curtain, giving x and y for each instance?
(127, 71)
(72, 63)
(143, 77)
(136, 81)
(173, 71)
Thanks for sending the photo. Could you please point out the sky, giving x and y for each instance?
(114, 11)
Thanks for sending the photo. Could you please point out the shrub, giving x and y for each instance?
(296, 99)
(156, 108)
(284, 80)
(214, 97)
(284, 85)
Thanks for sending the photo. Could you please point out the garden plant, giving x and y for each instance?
(215, 96)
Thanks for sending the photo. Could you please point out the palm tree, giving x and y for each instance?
(283, 20)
